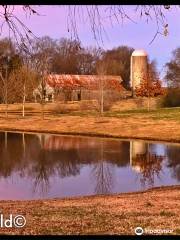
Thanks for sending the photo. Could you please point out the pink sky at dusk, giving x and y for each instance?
(53, 22)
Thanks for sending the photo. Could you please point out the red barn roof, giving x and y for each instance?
(70, 81)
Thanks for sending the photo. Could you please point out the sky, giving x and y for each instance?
(52, 21)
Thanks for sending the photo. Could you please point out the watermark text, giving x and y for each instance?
(17, 221)
(140, 231)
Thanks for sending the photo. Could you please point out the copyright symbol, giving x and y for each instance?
(19, 221)
(138, 231)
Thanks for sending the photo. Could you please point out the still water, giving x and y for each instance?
(34, 166)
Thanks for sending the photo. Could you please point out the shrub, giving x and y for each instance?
(152, 89)
(88, 105)
(61, 109)
(172, 98)
(110, 97)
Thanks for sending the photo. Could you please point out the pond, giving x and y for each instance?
(34, 166)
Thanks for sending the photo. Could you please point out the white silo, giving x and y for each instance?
(139, 68)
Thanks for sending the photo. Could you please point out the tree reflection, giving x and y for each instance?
(102, 173)
(40, 156)
(47, 162)
(146, 162)
(173, 153)
(10, 154)
(103, 176)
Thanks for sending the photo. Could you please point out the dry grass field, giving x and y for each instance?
(71, 106)
(116, 214)
(156, 124)
(134, 104)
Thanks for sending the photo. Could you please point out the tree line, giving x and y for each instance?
(23, 69)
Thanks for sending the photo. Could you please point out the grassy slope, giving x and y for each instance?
(116, 214)
(162, 124)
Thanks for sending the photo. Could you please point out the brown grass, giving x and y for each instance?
(158, 208)
(124, 104)
(137, 103)
(137, 126)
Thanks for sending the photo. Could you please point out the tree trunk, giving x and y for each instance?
(43, 96)
(148, 93)
(24, 99)
(6, 95)
(6, 140)
(148, 103)
(102, 95)
(42, 109)
(24, 144)
(102, 103)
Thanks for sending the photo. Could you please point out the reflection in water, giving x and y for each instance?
(146, 162)
(174, 160)
(102, 172)
(108, 163)
(103, 177)
(48, 162)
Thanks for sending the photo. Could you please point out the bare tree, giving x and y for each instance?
(172, 76)
(40, 52)
(21, 84)
(16, 27)
(118, 63)
(108, 86)
(95, 15)
(5, 87)
(4, 79)
(101, 71)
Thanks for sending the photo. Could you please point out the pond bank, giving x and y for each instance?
(132, 127)
(157, 208)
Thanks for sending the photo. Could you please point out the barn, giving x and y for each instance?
(76, 87)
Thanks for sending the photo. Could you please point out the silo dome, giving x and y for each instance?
(139, 52)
